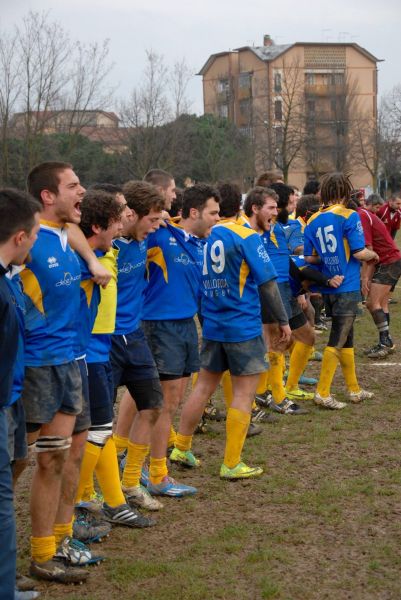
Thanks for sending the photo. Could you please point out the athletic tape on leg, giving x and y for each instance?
(52, 443)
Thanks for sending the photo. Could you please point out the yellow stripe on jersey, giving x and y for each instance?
(88, 285)
(336, 209)
(243, 275)
(273, 238)
(346, 249)
(32, 289)
(155, 255)
(106, 316)
(240, 230)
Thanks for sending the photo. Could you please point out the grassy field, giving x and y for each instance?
(323, 522)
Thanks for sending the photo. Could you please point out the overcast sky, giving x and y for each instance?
(195, 30)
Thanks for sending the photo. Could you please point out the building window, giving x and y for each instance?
(223, 111)
(245, 108)
(311, 108)
(309, 79)
(278, 110)
(244, 80)
(223, 85)
(277, 82)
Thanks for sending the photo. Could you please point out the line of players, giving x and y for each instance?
(83, 340)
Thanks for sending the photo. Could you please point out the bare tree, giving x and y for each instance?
(180, 76)
(10, 88)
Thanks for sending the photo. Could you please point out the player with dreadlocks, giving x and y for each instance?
(334, 238)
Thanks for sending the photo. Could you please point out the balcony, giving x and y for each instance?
(320, 89)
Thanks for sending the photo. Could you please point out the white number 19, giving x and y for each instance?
(217, 256)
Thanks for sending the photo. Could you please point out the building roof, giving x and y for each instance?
(268, 53)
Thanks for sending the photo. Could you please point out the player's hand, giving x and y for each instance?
(375, 258)
(336, 281)
(365, 287)
(165, 217)
(302, 301)
(101, 276)
(285, 331)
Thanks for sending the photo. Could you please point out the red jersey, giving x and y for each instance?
(377, 237)
(391, 218)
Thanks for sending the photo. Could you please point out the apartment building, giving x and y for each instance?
(307, 108)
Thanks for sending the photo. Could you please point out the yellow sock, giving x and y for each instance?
(227, 388)
(61, 530)
(121, 443)
(43, 548)
(157, 469)
(183, 442)
(172, 437)
(276, 376)
(262, 383)
(327, 371)
(347, 362)
(88, 492)
(133, 467)
(194, 378)
(108, 475)
(298, 361)
(237, 424)
(90, 458)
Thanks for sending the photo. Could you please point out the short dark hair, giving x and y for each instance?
(311, 187)
(176, 205)
(307, 205)
(158, 177)
(107, 187)
(196, 196)
(17, 212)
(231, 198)
(335, 187)
(257, 197)
(98, 208)
(373, 199)
(45, 176)
(283, 192)
(142, 197)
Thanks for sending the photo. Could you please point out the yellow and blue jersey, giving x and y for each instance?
(89, 303)
(275, 242)
(333, 234)
(174, 267)
(98, 349)
(293, 234)
(235, 264)
(17, 296)
(51, 283)
(131, 265)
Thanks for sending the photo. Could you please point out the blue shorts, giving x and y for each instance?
(49, 390)
(344, 304)
(295, 314)
(17, 442)
(83, 421)
(174, 345)
(133, 365)
(240, 358)
(101, 393)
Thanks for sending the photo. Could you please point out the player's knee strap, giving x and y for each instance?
(52, 443)
(99, 434)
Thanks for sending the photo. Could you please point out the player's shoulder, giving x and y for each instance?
(341, 211)
(235, 229)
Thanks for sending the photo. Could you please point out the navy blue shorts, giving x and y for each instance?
(174, 345)
(344, 304)
(17, 442)
(83, 420)
(295, 314)
(101, 393)
(240, 358)
(49, 390)
(133, 365)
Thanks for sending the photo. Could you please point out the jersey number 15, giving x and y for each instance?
(327, 239)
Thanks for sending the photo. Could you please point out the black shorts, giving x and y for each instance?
(133, 365)
(295, 314)
(387, 274)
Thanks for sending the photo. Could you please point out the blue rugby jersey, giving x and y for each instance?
(18, 299)
(235, 264)
(131, 282)
(51, 283)
(89, 304)
(276, 246)
(293, 234)
(175, 260)
(334, 233)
